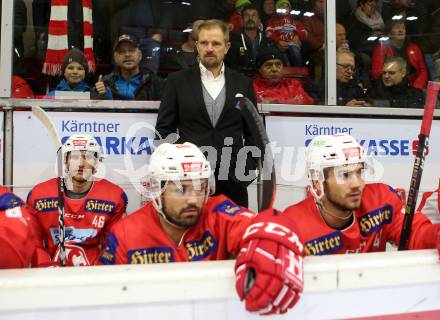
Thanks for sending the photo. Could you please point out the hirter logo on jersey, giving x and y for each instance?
(324, 245)
(352, 152)
(192, 166)
(150, 255)
(99, 206)
(46, 204)
(199, 249)
(374, 220)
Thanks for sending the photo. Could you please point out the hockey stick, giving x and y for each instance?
(266, 187)
(45, 120)
(428, 114)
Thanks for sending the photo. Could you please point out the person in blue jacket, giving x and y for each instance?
(127, 81)
(75, 70)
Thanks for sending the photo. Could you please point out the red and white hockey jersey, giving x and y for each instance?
(377, 221)
(17, 238)
(430, 203)
(285, 28)
(140, 239)
(87, 220)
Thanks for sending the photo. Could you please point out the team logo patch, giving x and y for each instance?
(150, 255)
(352, 152)
(79, 143)
(228, 207)
(73, 235)
(108, 256)
(199, 249)
(46, 204)
(374, 220)
(75, 256)
(192, 166)
(99, 206)
(324, 245)
(9, 201)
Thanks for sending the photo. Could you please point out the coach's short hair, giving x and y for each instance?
(214, 23)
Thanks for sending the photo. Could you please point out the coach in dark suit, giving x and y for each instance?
(200, 105)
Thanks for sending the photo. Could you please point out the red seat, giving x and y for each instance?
(296, 72)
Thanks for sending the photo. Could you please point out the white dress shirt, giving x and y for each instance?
(212, 85)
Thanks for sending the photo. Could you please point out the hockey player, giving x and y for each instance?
(182, 223)
(17, 238)
(91, 206)
(345, 215)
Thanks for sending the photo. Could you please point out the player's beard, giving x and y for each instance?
(341, 203)
(177, 218)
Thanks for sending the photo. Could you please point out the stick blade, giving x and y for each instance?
(47, 122)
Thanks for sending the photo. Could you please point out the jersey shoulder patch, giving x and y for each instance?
(227, 207)
(9, 201)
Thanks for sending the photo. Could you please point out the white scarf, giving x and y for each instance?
(375, 22)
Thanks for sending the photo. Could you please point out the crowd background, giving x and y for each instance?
(370, 31)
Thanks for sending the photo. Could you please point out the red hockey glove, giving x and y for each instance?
(269, 267)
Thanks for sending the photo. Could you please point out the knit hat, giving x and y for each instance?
(268, 53)
(280, 2)
(75, 55)
(126, 38)
(241, 3)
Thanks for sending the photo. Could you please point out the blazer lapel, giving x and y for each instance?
(230, 93)
(195, 82)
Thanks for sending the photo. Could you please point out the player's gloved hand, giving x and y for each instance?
(269, 267)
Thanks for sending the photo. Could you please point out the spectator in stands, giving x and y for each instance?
(405, 9)
(271, 87)
(75, 70)
(246, 44)
(398, 45)
(365, 21)
(361, 73)
(127, 82)
(186, 55)
(20, 89)
(349, 92)
(287, 33)
(394, 90)
(314, 26)
(267, 10)
(235, 19)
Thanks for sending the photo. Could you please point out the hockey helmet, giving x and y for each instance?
(82, 142)
(176, 162)
(329, 151)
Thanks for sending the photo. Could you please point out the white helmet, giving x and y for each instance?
(81, 142)
(176, 162)
(328, 151)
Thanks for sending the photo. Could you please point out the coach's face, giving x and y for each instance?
(212, 47)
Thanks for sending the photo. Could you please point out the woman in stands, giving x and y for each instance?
(399, 45)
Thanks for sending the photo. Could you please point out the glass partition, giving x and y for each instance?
(165, 34)
(387, 51)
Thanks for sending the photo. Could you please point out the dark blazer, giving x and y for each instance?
(183, 108)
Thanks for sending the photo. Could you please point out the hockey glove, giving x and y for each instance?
(269, 266)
